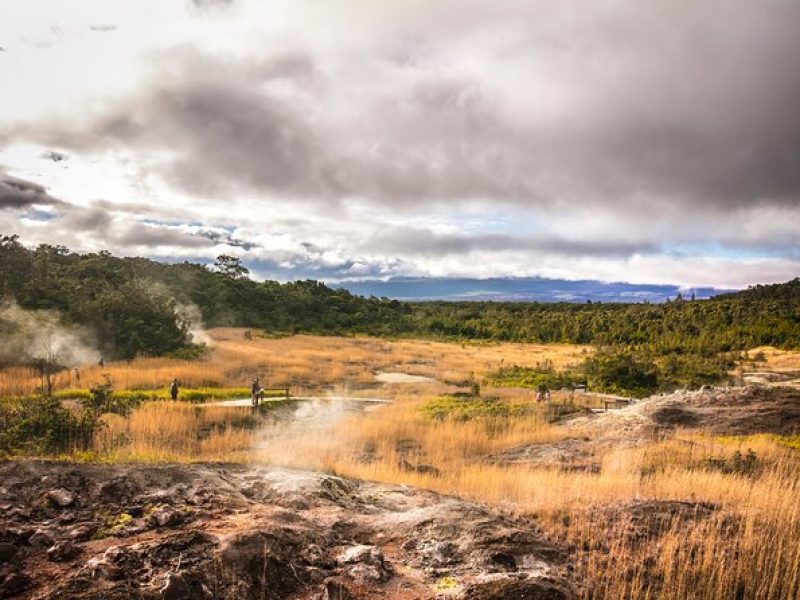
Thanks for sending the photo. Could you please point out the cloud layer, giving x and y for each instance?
(416, 137)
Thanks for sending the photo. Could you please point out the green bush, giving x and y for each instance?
(621, 372)
(42, 425)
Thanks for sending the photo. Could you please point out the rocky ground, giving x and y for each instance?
(720, 411)
(219, 531)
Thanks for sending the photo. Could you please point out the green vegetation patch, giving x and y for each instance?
(633, 372)
(135, 397)
(640, 373)
(543, 375)
(790, 441)
(467, 408)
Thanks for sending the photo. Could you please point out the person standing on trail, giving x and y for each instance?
(77, 376)
(256, 391)
(173, 389)
(543, 393)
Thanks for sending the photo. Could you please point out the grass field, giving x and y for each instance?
(691, 515)
(304, 363)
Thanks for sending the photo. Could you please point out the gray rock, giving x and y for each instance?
(64, 550)
(314, 555)
(42, 537)
(360, 553)
(367, 563)
(167, 516)
(175, 588)
(438, 553)
(99, 568)
(363, 573)
(61, 497)
(82, 532)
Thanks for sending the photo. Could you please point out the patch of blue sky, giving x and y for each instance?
(171, 259)
(730, 252)
(182, 223)
(39, 215)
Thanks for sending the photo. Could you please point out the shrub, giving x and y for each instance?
(43, 425)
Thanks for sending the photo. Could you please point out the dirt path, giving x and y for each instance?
(385, 377)
(266, 401)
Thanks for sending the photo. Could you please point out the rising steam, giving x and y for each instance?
(191, 314)
(28, 335)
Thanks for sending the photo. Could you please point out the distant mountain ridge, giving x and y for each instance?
(522, 289)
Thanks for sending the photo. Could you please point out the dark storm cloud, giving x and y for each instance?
(230, 133)
(18, 193)
(226, 239)
(54, 156)
(101, 221)
(144, 235)
(410, 241)
(94, 221)
(645, 107)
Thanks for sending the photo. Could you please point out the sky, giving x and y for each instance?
(617, 140)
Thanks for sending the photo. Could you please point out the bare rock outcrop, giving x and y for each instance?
(214, 531)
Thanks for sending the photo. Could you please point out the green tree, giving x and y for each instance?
(231, 266)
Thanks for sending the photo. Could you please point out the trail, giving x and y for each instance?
(247, 402)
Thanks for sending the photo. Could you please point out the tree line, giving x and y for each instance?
(137, 306)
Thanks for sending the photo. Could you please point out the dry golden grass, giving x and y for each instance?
(176, 432)
(372, 446)
(305, 363)
(776, 360)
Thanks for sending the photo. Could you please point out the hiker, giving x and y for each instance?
(101, 362)
(256, 391)
(77, 375)
(173, 389)
(542, 393)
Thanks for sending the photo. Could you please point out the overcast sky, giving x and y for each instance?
(618, 140)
